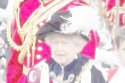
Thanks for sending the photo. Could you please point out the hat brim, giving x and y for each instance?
(49, 28)
(46, 29)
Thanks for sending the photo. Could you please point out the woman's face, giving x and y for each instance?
(64, 47)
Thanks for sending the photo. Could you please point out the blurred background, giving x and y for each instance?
(112, 33)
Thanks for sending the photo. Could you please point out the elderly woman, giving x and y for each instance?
(67, 32)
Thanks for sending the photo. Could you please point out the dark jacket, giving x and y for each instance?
(75, 68)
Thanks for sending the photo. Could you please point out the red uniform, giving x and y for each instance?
(14, 68)
(110, 7)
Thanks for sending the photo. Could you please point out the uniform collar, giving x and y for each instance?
(74, 67)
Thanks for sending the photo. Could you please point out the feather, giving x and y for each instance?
(83, 19)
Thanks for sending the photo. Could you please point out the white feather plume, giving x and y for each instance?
(83, 20)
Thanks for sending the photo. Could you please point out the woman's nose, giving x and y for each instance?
(60, 46)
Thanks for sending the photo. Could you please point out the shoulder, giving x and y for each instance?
(96, 75)
(92, 74)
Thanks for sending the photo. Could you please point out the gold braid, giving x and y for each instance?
(29, 37)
